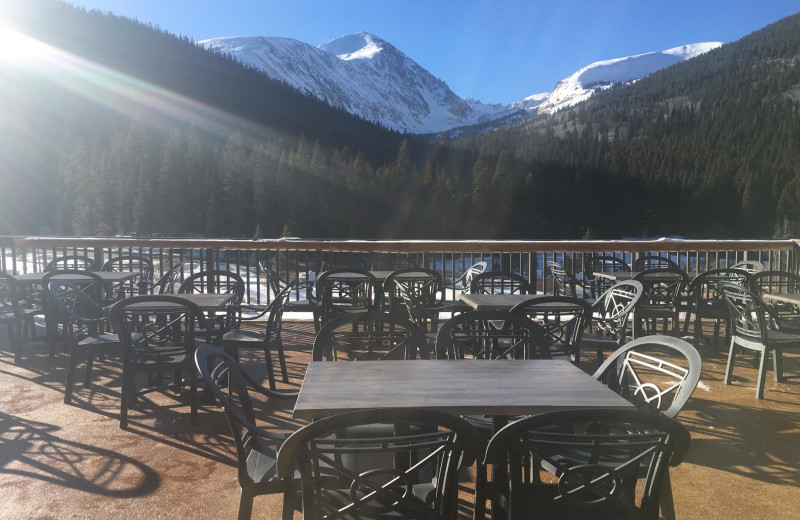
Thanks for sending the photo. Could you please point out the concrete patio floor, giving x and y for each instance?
(61, 461)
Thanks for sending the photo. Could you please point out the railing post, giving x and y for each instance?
(97, 253)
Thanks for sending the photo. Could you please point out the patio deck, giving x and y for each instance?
(73, 461)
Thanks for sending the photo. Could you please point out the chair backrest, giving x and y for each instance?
(166, 284)
(777, 282)
(618, 300)
(419, 284)
(491, 335)
(276, 308)
(232, 387)
(661, 286)
(563, 319)
(657, 373)
(564, 284)
(71, 262)
(89, 283)
(594, 459)
(133, 263)
(705, 286)
(751, 266)
(214, 282)
(344, 289)
(646, 262)
(434, 446)
(78, 301)
(462, 283)
(496, 282)
(774, 282)
(369, 336)
(165, 325)
(748, 312)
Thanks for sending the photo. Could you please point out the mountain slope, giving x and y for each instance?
(364, 75)
(602, 74)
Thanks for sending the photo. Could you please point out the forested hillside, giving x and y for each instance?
(131, 129)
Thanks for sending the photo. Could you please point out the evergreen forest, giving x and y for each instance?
(131, 129)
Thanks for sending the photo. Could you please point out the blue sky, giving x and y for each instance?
(495, 51)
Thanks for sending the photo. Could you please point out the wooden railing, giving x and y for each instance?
(302, 259)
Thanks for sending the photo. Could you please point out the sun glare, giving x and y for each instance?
(18, 49)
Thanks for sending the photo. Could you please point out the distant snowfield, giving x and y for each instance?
(370, 78)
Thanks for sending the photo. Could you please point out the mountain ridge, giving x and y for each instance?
(371, 78)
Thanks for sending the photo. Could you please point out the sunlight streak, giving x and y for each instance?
(154, 106)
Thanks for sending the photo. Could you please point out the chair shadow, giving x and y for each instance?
(757, 443)
(30, 449)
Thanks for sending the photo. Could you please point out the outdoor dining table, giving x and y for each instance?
(499, 388)
(462, 387)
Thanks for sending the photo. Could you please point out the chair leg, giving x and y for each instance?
(665, 499)
(762, 374)
(731, 361)
(282, 360)
(193, 395)
(245, 506)
(87, 379)
(270, 367)
(128, 394)
(70, 383)
(777, 365)
(479, 513)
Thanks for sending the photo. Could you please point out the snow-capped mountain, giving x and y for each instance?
(369, 77)
(602, 74)
(364, 75)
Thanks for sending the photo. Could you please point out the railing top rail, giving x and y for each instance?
(411, 246)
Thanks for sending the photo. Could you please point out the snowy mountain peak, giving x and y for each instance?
(354, 46)
(602, 74)
(368, 77)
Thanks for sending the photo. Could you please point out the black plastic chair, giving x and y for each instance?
(268, 338)
(157, 335)
(754, 331)
(564, 283)
(344, 289)
(167, 282)
(85, 323)
(787, 316)
(660, 299)
(563, 319)
(256, 446)
(407, 469)
(491, 335)
(608, 328)
(657, 373)
(585, 464)
(494, 282)
(418, 284)
(71, 262)
(216, 282)
(276, 285)
(601, 264)
(647, 262)
(706, 302)
(134, 263)
(373, 335)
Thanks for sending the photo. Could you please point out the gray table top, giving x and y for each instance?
(460, 387)
(504, 302)
(791, 298)
(206, 302)
(108, 276)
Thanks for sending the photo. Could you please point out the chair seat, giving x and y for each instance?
(333, 499)
(99, 340)
(598, 340)
(654, 311)
(532, 497)
(261, 462)
(243, 336)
